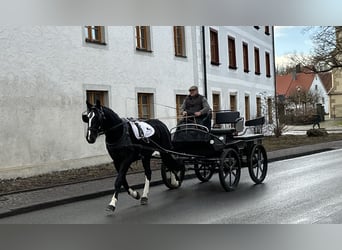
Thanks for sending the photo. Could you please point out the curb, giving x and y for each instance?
(49, 204)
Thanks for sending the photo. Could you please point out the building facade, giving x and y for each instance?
(240, 69)
(47, 73)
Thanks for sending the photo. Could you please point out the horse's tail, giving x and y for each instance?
(165, 143)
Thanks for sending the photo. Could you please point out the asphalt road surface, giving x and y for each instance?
(301, 190)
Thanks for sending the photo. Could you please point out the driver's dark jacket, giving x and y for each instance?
(194, 104)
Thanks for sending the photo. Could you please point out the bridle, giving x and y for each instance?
(100, 130)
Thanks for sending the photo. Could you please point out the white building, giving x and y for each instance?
(241, 75)
(47, 73)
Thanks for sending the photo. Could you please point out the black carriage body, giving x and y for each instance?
(197, 141)
(224, 150)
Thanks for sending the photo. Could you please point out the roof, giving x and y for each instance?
(286, 85)
(326, 79)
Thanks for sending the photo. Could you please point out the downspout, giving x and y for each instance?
(204, 64)
(275, 82)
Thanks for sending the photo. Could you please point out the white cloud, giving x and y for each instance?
(283, 61)
(280, 31)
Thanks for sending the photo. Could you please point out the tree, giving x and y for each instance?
(327, 53)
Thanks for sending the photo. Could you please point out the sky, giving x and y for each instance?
(290, 40)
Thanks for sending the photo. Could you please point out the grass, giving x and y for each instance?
(288, 141)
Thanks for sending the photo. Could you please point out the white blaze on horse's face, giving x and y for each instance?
(91, 115)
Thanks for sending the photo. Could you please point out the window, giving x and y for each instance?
(268, 65)
(231, 53)
(143, 38)
(179, 38)
(258, 106)
(316, 87)
(214, 48)
(233, 103)
(145, 106)
(256, 27)
(216, 105)
(94, 95)
(179, 101)
(270, 110)
(95, 34)
(256, 61)
(247, 108)
(267, 30)
(245, 57)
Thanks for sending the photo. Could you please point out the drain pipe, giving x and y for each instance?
(275, 83)
(204, 64)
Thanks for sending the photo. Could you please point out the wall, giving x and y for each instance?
(321, 92)
(44, 74)
(223, 81)
(336, 94)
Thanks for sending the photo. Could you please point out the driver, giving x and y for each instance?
(196, 106)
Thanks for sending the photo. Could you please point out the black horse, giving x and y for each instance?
(124, 148)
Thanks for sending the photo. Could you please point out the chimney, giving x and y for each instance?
(294, 73)
(298, 70)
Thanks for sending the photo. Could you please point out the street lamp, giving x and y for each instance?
(298, 91)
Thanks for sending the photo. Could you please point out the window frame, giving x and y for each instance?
(235, 102)
(143, 38)
(257, 61)
(245, 57)
(267, 30)
(182, 51)
(149, 105)
(91, 97)
(247, 108)
(232, 63)
(258, 106)
(214, 55)
(89, 35)
(268, 64)
(179, 102)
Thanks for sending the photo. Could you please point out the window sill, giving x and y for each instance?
(246, 71)
(95, 42)
(269, 76)
(258, 73)
(267, 33)
(144, 50)
(215, 63)
(232, 67)
(181, 56)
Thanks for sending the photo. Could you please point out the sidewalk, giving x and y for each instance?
(331, 126)
(29, 201)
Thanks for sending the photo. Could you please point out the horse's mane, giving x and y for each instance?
(110, 113)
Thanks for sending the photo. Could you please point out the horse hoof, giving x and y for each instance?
(144, 201)
(110, 208)
(138, 196)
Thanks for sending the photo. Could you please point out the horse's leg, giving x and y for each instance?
(148, 175)
(130, 191)
(122, 169)
(174, 181)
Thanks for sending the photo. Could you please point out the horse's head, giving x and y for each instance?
(94, 118)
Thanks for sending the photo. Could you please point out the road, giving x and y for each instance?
(301, 190)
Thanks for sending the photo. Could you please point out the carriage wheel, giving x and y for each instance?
(166, 176)
(230, 170)
(204, 171)
(257, 166)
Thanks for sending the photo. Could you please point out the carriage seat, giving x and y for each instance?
(256, 126)
(231, 121)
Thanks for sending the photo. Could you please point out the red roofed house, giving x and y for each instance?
(288, 85)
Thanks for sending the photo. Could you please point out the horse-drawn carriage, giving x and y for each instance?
(224, 150)
(192, 146)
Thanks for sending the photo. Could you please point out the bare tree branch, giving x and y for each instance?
(327, 53)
